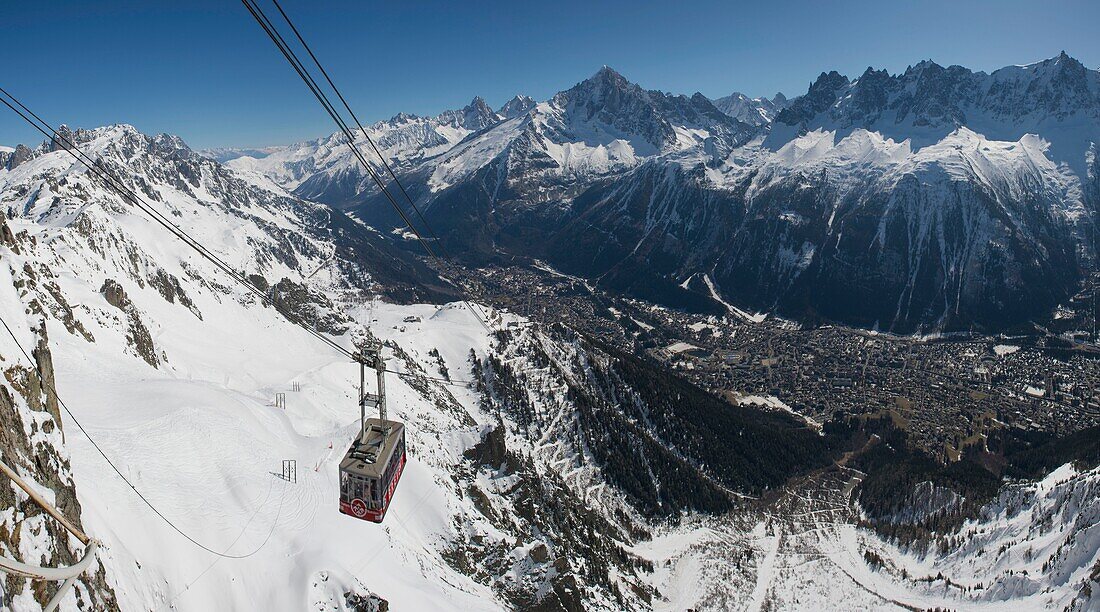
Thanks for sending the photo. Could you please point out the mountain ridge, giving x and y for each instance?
(544, 468)
(526, 181)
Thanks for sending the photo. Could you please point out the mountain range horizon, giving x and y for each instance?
(733, 94)
(478, 99)
(592, 347)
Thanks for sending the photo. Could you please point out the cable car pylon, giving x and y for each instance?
(372, 466)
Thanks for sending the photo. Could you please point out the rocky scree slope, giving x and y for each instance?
(32, 439)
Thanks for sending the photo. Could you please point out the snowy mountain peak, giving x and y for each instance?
(879, 145)
(1062, 59)
(929, 101)
(518, 105)
(610, 105)
(133, 314)
(605, 86)
(401, 118)
(828, 81)
(821, 95)
(504, 504)
(121, 136)
(871, 74)
(753, 111)
(609, 75)
(478, 104)
(921, 66)
(475, 116)
(1059, 86)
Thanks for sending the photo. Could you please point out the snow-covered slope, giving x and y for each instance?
(326, 169)
(173, 369)
(1032, 548)
(601, 126)
(522, 488)
(1036, 546)
(939, 193)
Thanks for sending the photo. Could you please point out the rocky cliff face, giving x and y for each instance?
(32, 439)
(18, 155)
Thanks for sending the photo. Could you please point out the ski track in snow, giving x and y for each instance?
(199, 435)
(205, 455)
(765, 573)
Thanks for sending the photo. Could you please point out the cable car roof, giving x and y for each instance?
(367, 456)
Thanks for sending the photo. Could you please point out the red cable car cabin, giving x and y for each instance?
(371, 468)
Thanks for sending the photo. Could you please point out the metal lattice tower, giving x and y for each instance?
(371, 357)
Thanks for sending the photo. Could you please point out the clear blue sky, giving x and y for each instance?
(203, 69)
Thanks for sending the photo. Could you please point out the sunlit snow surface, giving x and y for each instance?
(201, 438)
(1032, 548)
(203, 441)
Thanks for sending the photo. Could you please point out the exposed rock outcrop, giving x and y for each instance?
(31, 440)
(137, 334)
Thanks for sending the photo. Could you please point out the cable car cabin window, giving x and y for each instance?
(395, 460)
(354, 487)
(346, 487)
